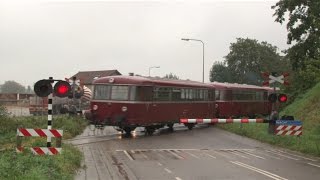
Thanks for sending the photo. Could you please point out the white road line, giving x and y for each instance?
(177, 178)
(128, 155)
(252, 154)
(145, 156)
(282, 155)
(266, 173)
(210, 155)
(295, 155)
(159, 164)
(175, 154)
(192, 154)
(239, 155)
(221, 154)
(314, 165)
(168, 170)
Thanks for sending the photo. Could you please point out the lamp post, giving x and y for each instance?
(153, 67)
(186, 39)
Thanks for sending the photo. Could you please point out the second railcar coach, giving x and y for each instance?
(128, 102)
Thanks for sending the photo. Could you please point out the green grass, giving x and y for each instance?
(29, 166)
(306, 109)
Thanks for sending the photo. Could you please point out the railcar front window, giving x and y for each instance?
(120, 93)
(102, 92)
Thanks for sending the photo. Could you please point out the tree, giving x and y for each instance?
(248, 58)
(12, 87)
(171, 76)
(303, 26)
(219, 72)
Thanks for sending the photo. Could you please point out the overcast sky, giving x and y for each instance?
(58, 38)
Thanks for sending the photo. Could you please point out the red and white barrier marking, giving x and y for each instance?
(215, 120)
(39, 132)
(42, 150)
(283, 130)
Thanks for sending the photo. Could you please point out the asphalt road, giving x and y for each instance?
(204, 153)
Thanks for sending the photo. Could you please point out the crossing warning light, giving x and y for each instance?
(282, 98)
(62, 89)
(43, 88)
(272, 97)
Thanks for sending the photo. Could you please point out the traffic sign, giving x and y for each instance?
(272, 79)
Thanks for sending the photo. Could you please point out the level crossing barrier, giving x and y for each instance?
(23, 132)
(276, 127)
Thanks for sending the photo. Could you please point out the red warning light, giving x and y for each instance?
(62, 89)
(282, 98)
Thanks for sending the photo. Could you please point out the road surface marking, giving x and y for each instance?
(145, 156)
(220, 153)
(252, 155)
(295, 155)
(159, 164)
(128, 155)
(239, 155)
(174, 154)
(314, 165)
(177, 178)
(282, 155)
(192, 154)
(266, 173)
(210, 155)
(168, 170)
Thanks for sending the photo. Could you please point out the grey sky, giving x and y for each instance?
(39, 39)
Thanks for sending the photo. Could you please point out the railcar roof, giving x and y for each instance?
(149, 81)
(220, 85)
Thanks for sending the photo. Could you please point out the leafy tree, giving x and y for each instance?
(219, 72)
(303, 24)
(171, 76)
(248, 58)
(12, 87)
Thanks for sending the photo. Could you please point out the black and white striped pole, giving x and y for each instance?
(49, 116)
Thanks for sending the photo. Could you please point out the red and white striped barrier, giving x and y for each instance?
(283, 130)
(42, 150)
(23, 132)
(216, 120)
(39, 132)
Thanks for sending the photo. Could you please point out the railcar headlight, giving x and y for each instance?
(124, 108)
(95, 107)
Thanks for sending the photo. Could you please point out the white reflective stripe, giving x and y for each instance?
(192, 120)
(236, 120)
(49, 117)
(222, 120)
(298, 133)
(280, 127)
(252, 120)
(206, 120)
(288, 128)
(297, 128)
(50, 106)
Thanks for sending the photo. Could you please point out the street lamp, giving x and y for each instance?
(186, 39)
(153, 67)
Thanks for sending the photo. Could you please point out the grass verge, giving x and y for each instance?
(306, 109)
(29, 166)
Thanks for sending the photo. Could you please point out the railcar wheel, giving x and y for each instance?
(150, 130)
(170, 127)
(128, 130)
(189, 125)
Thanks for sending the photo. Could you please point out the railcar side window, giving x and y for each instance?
(120, 93)
(102, 92)
(141, 93)
(162, 94)
(176, 94)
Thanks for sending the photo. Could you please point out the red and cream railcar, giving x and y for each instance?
(131, 101)
(236, 100)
